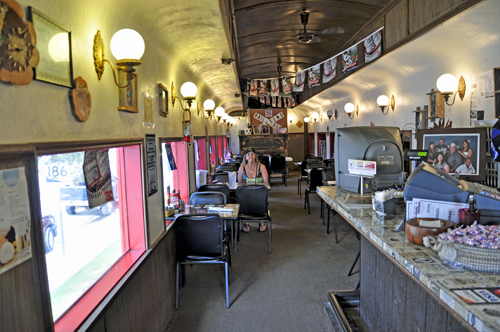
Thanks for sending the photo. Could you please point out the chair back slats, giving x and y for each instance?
(199, 236)
(219, 187)
(221, 176)
(207, 197)
(253, 199)
(278, 163)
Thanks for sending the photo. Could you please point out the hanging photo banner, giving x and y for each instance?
(268, 101)
(263, 88)
(294, 103)
(373, 46)
(253, 88)
(314, 76)
(350, 59)
(300, 78)
(273, 103)
(329, 69)
(275, 87)
(279, 101)
(262, 99)
(247, 89)
(97, 177)
(287, 87)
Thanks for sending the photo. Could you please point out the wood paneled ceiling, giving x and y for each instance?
(267, 32)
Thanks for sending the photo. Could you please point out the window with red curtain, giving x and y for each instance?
(220, 148)
(200, 154)
(175, 168)
(213, 151)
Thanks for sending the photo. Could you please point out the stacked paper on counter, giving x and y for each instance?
(426, 208)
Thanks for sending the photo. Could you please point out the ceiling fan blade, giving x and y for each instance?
(332, 31)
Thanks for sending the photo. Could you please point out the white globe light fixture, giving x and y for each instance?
(127, 46)
(351, 110)
(315, 116)
(447, 83)
(225, 116)
(383, 102)
(219, 112)
(306, 119)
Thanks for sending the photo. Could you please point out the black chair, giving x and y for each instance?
(315, 164)
(264, 160)
(219, 187)
(314, 159)
(254, 207)
(314, 180)
(278, 166)
(330, 163)
(228, 168)
(302, 177)
(207, 197)
(200, 239)
(221, 176)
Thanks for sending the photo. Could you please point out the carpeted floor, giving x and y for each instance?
(279, 291)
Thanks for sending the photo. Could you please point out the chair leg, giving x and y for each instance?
(237, 233)
(335, 226)
(177, 268)
(270, 229)
(359, 282)
(354, 264)
(328, 209)
(300, 192)
(308, 203)
(227, 285)
(305, 199)
(321, 215)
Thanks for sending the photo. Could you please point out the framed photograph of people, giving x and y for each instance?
(53, 41)
(459, 151)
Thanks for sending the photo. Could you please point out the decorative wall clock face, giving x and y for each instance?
(18, 53)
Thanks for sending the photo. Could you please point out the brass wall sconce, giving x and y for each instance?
(127, 46)
(306, 119)
(315, 116)
(219, 113)
(351, 110)
(447, 83)
(225, 117)
(331, 114)
(383, 102)
(209, 106)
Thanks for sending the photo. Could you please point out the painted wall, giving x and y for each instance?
(466, 45)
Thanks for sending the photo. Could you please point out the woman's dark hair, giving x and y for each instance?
(468, 143)
(432, 142)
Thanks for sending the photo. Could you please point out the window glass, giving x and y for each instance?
(81, 244)
(213, 152)
(200, 154)
(220, 149)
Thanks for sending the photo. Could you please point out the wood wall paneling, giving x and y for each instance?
(407, 307)
(265, 144)
(423, 12)
(396, 24)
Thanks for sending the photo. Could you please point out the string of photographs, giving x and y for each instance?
(268, 91)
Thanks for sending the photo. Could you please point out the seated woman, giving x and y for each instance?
(441, 164)
(252, 172)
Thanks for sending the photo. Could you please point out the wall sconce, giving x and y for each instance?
(225, 117)
(447, 83)
(219, 112)
(383, 102)
(209, 106)
(351, 110)
(127, 46)
(330, 114)
(315, 116)
(188, 92)
(306, 119)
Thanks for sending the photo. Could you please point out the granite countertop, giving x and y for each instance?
(423, 263)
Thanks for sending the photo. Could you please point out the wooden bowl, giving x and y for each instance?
(416, 233)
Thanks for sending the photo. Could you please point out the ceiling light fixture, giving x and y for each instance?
(383, 102)
(351, 110)
(315, 116)
(209, 106)
(306, 119)
(447, 83)
(127, 46)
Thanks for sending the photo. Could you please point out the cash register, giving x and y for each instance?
(428, 182)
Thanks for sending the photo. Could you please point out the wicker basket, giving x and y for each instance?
(479, 259)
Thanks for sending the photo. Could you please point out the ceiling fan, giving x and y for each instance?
(313, 37)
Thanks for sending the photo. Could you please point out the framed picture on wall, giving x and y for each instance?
(459, 151)
(257, 130)
(266, 130)
(127, 97)
(163, 99)
(53, 41)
